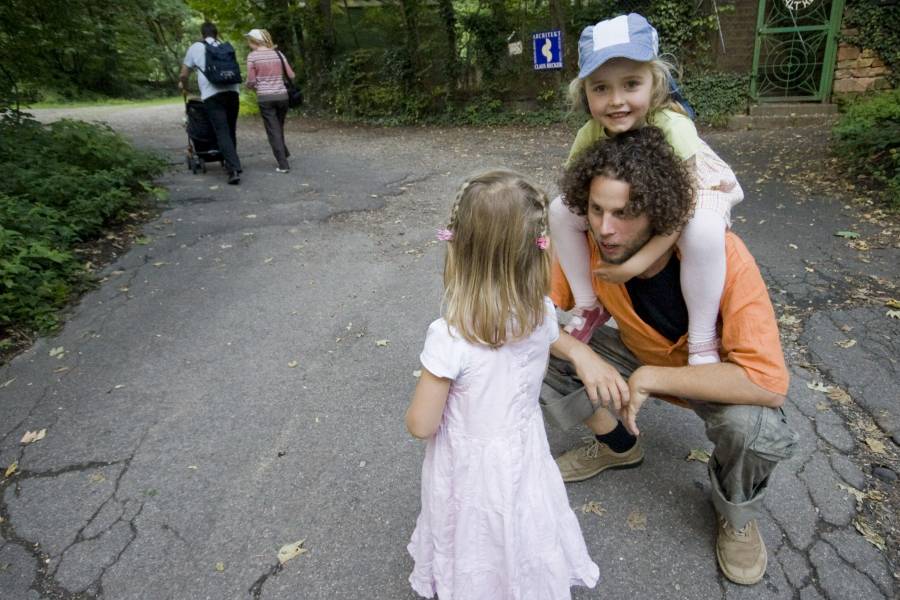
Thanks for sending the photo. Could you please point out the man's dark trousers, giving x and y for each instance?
(222, 109)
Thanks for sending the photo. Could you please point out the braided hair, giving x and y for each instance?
(496, 272)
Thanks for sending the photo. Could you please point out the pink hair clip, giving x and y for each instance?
(543, 242)
(444, 234)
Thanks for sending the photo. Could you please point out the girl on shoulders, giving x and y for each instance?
(623, 85)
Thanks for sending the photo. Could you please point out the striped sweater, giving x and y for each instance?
(264, 74)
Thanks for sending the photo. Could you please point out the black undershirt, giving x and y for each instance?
(658, 300)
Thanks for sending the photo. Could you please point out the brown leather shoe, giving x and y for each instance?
(595, 457)
(741, 552)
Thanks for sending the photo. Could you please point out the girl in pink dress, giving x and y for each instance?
(495, 521)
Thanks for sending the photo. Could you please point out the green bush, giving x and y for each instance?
(716, 96)
(63, 183)
(867, 140)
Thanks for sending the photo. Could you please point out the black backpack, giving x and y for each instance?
(221, 64)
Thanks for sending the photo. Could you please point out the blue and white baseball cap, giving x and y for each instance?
(626, 36)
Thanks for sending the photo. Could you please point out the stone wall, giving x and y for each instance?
(858, 70)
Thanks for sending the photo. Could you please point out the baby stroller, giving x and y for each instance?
(202, 146)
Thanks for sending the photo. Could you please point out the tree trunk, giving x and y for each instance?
(411, 29)
(448, 16)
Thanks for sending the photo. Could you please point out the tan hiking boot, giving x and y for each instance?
(741, 552)
(594, 457)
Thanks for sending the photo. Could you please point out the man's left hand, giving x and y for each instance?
(637, 393)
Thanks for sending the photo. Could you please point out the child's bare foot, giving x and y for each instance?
(584, 321)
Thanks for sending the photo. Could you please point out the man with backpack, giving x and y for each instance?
(219, 78)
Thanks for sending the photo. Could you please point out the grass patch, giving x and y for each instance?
(102, 102)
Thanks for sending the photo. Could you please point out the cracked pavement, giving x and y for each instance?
(183, 450)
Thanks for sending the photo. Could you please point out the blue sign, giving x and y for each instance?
(547, 50)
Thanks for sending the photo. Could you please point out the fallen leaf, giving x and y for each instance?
(636, 521)
(220, 566)
(33, 436)
(839, 395)
(193, 467)
(858, 494)
(57, 352)
(289, 551)
(876, 496)
(417, 373)
(160, 263)
(61, 369)
(699, 455)
(793, 246)
(847, 235)
(11, 469)
(867, 532)
(893, 303)
(875, 445)
(293, 364)
(818, 386)
(846, 343)
(97, 478)
(893, 314)
(250, 217)
(382, 342)
(593, 507)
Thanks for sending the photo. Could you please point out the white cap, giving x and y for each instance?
(256, 34)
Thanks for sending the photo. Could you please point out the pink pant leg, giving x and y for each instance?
(567, 232)
(702, 245)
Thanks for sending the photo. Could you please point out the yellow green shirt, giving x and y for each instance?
(678, 129)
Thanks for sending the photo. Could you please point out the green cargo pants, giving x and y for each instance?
(749, 440)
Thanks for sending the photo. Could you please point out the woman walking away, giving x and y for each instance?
(495, 522)
(266, 70)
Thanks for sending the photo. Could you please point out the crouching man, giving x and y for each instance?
(632, 187)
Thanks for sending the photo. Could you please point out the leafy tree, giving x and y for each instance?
(80, 48)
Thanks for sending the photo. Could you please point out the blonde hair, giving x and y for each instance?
(266, 39)
(661, 72)
(496, 273)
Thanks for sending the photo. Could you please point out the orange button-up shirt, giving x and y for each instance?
(747, 324)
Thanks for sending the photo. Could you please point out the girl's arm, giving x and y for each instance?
(423, 417)
(640, 262)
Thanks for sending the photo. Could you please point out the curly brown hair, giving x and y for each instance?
(661, 186)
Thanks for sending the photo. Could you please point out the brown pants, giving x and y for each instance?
(749, 440)
(273, 114)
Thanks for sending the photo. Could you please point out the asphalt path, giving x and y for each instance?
(238, 382)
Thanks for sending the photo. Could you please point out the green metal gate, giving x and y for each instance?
(796, 43)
